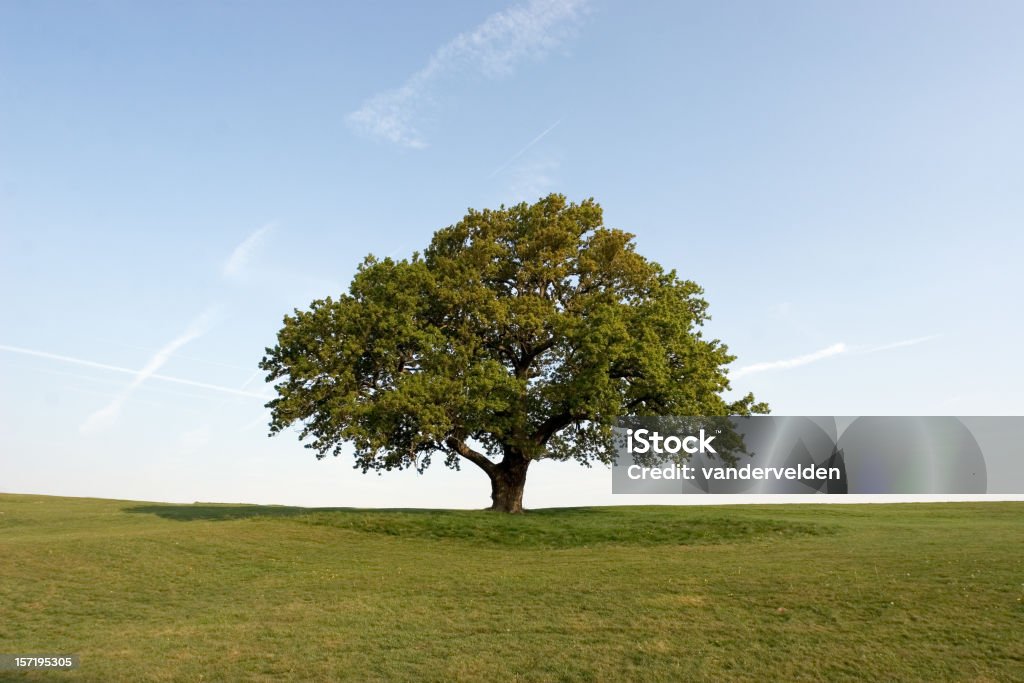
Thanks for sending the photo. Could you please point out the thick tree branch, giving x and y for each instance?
(552, 425)
(475, 457)
(523, 363)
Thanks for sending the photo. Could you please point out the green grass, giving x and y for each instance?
(226, 592)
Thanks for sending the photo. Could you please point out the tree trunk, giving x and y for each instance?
(508, 479)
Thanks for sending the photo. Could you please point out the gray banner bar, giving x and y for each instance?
(811, 455)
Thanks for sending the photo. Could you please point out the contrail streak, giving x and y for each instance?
(833, 350)
(128, 371)
(520, 153)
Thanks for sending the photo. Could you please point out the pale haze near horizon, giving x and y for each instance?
(844, 180)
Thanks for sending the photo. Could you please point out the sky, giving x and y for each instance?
(843, 179)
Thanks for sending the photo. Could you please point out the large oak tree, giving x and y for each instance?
(519, 334)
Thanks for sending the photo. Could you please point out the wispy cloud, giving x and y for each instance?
(103, 381)
(897, 345)
(532, 180)
(826, 352)
(528, 145)
(492, 49)
(116, 368)
(234, 265)
(106, 415)
(180, 356)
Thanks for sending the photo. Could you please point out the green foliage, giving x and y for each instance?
(526, 330)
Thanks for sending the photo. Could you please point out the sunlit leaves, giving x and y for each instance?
(528, 328)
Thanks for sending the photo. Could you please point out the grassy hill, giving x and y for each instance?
(228, 592)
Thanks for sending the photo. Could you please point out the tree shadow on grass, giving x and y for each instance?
(200, 511)
(550, 528)
(225, 512)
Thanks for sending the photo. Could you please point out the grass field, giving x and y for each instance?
(225, 592)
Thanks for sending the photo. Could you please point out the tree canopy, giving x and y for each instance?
(518, 334)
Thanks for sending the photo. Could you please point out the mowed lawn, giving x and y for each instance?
(224, 592)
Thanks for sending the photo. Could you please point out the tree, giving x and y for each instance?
(519, 334)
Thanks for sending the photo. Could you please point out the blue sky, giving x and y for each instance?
(844, 179)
